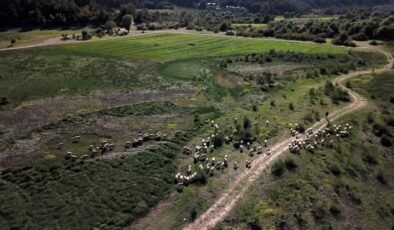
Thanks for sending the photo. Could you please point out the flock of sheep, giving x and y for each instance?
(314, 139)
(208, 165)
(105, 147)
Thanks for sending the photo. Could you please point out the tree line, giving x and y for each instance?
(88, 12)
(359, 25)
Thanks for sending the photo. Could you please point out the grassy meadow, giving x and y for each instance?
(343, 186)
(169, 83)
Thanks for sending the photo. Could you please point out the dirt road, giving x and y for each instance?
(226, 202)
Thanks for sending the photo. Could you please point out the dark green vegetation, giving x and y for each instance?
(76, 12)
(85, 194)
(346, 185)
(360, 25)
(335, 93)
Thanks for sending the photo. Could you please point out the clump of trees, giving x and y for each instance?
(12, 42)
(343, 39)
(3, 101)
(359, 25)
(336, 93)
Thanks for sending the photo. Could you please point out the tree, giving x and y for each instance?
(224, 27)
(291, 106)
(127, 20)
(13, 41)
(109, 26)
(267, 18)
(203, 5)
(3, 101)
(385, 33)
(85, 35)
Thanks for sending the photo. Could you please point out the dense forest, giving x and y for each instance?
(359, 25)
(96, 12)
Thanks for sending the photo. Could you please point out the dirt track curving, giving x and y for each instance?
(226, 202)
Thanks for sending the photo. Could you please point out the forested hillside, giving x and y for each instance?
(84, 12)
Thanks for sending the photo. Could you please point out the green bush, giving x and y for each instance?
(335, 211)
(278, 168)
(218, 140)
(247, 123)
(386, 142)
(290, 164)
(291, 106)
(335, 169)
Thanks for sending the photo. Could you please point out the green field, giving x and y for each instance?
(166, 47)
(169, 83)
(113, 65)
(346, 184)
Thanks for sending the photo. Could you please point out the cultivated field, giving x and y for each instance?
(165, 47)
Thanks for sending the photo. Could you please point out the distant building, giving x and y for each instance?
(216, 6)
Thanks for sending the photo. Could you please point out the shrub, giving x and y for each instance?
(291, 106)
(392, 99)
(218, 140)
(360, 37)
(317, 116)
(86, 35)
(319, 214)
(224, 27)
(370, 159)
(335, 170)
(386, 142)
(381, 178)
(201, 178)
(230, 33)
(319, 40)
(308, 118)
(390, 121)
(193, 214)
(379, 130)
(12, 42)
(290, 164)
(374, 43)
(300, 128)
(197, 118)
(335, 211)
(3, 101)
(278, 168)
(247, 123)
(335, 93)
